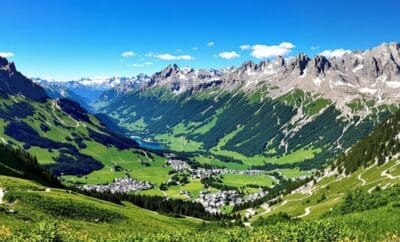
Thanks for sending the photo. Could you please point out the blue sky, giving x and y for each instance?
(72, 39)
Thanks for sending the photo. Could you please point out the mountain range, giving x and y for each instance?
(310, 108)
(373, 73)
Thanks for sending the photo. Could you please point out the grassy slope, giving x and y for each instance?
(78, 214)
(128, 218)
(333, 189)
(107, 155)
(157, 173)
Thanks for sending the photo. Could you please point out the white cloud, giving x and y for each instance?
(128, 54)
(334, 53)
(228, 55)
(195, 48)
(173, 57)
(245, 47)
(148, 63)
(210, 43)
(137, 65)
(268, 51)
(6, 54)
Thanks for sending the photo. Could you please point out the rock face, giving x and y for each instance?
(372, 74)
(13, 82)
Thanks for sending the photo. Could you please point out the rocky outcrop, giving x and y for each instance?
(13, 82)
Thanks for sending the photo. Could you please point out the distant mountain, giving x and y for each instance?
(57, 90)
(88, 90)
(126, 85)
(277, 108)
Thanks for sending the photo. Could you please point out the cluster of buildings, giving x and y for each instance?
(254, 196)
(213, 202)
(178, 165)
(120, 185)
(202, 172)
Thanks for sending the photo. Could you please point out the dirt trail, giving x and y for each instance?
(385, 172)
(2, 192)
(363, 181)
(307, 211)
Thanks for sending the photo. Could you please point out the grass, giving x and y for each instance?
(293, 173)
(395, 171)
(249, 161)
(179, 143)
(44, 156)
(130, 162)
(210, 160)
(314, 107)
(193, 187)
(296, 156)
(238, 180)
(138, 125)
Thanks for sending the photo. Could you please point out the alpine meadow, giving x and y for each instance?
(199, 121)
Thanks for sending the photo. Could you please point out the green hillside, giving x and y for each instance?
(371, 164)
(74, 143)
(242, 130)
(30, 210)
(30, 202)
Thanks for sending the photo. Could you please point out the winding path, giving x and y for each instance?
(386, 174)
(307, 211)
(163, 192)
(2, 192)
(363, 181)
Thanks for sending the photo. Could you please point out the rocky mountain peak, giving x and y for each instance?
(13, 82)
(280, 61)
(169, 71)
(301, 62)
(3, 62)
(248, 65)
(321, 64)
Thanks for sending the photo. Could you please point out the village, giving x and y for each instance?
(212, 201)
(179, 165)
(120, 185)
